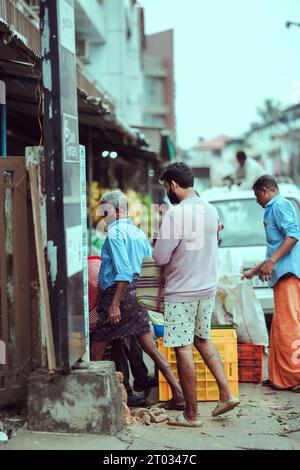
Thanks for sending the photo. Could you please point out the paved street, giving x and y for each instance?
(264, 420)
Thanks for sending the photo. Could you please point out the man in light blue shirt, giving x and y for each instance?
(281, 224)
(122, 253)
(120, 315)
(282, 270)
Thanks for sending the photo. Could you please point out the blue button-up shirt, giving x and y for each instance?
(122, 253)
(280, 221)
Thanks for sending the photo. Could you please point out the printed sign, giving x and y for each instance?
(70, 139)
(66, 26)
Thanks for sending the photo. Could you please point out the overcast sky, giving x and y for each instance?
(229, 56)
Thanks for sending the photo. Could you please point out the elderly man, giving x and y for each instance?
(120, 316)
(282, 269)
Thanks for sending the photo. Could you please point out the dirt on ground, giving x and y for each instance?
(265, 419)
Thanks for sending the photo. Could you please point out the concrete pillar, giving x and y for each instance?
(86, 400)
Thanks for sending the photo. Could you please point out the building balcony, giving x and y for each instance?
(159, 110)
(154, 68)
(90, 20)
(23, 20)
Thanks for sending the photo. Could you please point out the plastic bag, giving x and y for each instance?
(237, 304)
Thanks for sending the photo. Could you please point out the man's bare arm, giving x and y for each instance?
(268, 267)
(114, 312)
(285, 247)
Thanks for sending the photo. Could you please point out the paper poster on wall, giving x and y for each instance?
(74, 250)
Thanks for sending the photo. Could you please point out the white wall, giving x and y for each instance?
(90, 18)
(116, 65)
(134, 69)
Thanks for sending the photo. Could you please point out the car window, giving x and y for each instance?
(243, 222)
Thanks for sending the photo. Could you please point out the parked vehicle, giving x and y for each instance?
(244, 232)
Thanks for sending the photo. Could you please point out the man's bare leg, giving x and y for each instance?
(148, 345)
(212, 359)
(187, 376)
(98, 349)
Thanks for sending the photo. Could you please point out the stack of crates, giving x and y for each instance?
(250, 360)
(225, 340)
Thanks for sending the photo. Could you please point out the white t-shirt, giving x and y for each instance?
(187, 246)
(253, 171)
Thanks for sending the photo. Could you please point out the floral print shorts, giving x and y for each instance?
(184, 320)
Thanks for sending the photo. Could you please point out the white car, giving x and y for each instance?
(244, 232)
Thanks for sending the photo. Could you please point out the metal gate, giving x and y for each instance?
(15, 345)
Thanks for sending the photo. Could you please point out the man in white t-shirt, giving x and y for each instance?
(187, 247)
(249, 170)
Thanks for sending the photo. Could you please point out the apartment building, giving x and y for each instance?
(277, 144)
(159, 81)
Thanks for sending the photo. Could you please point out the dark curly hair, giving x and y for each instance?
(179, 172)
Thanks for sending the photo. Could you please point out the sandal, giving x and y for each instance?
(296, 388)
(225, 406)
(171, 405)
(181, 420)
(266, 383)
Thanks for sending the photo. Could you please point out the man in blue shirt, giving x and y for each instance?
(282, 269)
(120, 315)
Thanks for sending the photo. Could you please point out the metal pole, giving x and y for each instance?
(62, 174)
(3, 118)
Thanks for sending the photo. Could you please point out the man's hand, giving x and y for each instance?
(266, 270)
(248, 274)
(114, 314)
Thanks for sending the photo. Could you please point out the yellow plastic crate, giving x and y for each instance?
(225, 341)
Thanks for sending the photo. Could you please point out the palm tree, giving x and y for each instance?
(270, 110)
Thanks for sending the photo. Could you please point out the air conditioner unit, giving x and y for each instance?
(83, 50)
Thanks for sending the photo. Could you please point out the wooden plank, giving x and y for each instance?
(41, 266)
(22, 323)
(4, 336)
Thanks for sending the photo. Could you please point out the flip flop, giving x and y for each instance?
(266, 383)
(181, 420)
(171, 405)
(225, 406)
(296, 389)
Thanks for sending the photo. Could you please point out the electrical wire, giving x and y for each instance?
(39, 96)
(39, 91)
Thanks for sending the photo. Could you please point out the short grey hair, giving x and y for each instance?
(117, 199)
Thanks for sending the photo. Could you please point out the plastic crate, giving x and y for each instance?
(250, 362)
(225, 340)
